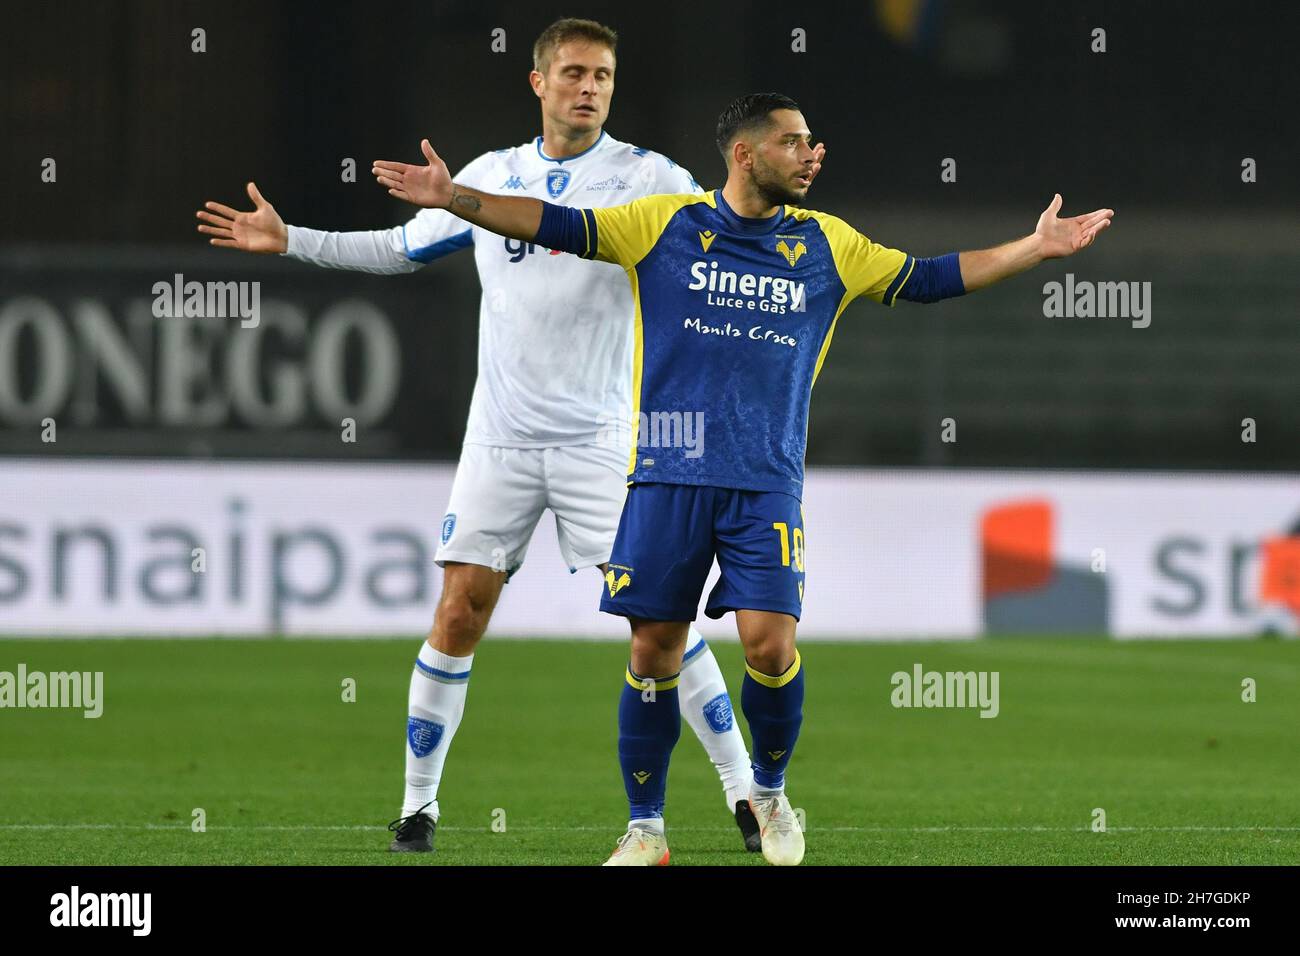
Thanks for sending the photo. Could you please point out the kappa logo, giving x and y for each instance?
(514, 182)
(706, 239)
(616, 584)
(556, 180)
(641, 776)
(791, 255)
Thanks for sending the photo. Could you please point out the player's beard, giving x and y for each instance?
(775, 189)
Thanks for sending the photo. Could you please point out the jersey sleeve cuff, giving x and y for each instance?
(292, 242)
(568, 230)
(929, 280)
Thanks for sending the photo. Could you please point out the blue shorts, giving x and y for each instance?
(669, 535)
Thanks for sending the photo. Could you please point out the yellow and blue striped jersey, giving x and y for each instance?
(733, 318)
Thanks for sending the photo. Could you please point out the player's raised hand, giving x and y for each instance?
(1064, 237)
(428, 186)
(261, 230)
(819, 154)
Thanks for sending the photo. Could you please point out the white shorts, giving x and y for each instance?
(499, 495)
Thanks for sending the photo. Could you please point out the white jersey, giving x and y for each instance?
(555, 331)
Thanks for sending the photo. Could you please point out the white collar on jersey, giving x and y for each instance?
(568, 159)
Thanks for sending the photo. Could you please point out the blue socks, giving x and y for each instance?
(648, 728)
(773, 706)
(649, 725)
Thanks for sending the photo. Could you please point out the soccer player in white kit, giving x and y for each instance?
(554, 381)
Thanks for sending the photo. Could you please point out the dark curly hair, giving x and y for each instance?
(751, 111)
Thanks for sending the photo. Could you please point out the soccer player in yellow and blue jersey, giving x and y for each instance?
(737, 293)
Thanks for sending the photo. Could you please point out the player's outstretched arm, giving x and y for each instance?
(430, 186)
(380, 252)
(1053, 238)
(261, 230)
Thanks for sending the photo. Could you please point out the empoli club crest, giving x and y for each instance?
(423, 735)
(556, 180)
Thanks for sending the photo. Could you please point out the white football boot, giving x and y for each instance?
(639, 847)
(779, 828)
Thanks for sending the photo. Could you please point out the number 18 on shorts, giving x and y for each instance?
(669, 535)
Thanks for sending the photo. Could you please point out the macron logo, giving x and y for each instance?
(103, 909)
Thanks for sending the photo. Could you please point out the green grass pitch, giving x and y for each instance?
(257, 734)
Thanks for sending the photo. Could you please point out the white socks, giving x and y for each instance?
(436, 703)
(440, 682)
(706, 706)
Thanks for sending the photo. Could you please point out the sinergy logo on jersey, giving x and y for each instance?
(745, 290)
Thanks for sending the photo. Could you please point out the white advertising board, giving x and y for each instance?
(108, 547)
